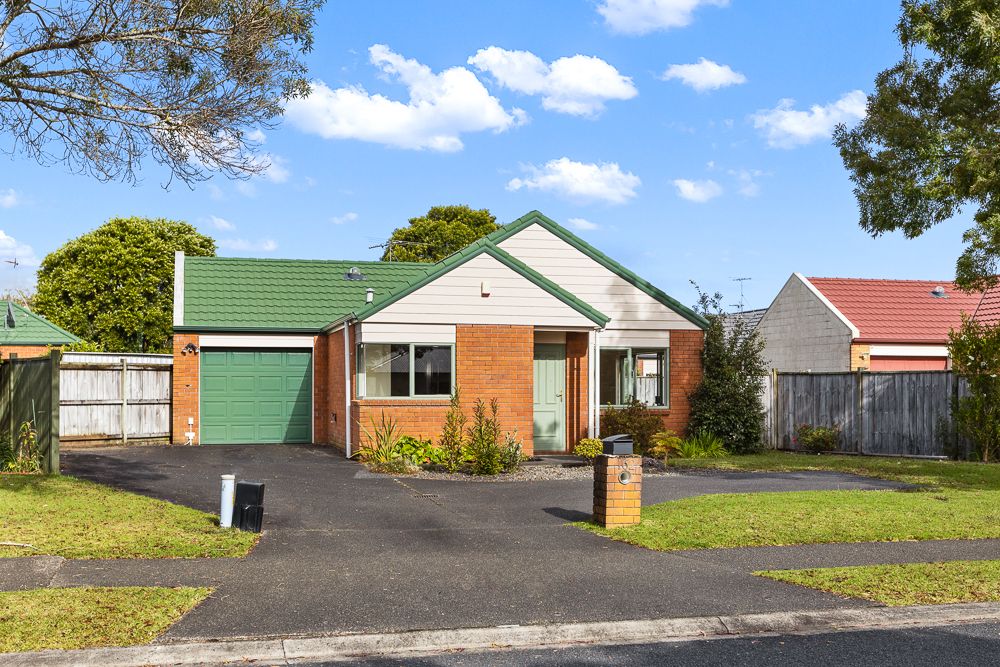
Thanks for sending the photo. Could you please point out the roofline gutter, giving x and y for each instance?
(900, 341)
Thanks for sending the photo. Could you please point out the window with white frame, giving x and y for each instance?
(389, 370)
(639, 373)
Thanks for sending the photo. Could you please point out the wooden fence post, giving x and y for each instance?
(859, 427)
(50, 464)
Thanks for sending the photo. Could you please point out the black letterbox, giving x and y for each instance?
(618, 445)
(248, 506)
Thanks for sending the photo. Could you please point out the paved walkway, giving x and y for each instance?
(347, 554)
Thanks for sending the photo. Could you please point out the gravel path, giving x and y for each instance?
(524, 474)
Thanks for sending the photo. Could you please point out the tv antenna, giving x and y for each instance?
(15, 263)
(741, 303)
(390, 244)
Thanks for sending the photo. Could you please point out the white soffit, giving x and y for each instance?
(382, 332)
(826, 302)
(178, 288)
(223, 340)
(908, 351)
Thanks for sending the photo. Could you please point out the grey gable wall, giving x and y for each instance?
(802, 333)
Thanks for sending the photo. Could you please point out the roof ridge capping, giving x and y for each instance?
(537, 217)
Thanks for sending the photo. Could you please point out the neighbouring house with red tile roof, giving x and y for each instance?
(849, 324)
(988, 310)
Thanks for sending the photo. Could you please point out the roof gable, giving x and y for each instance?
(480, 247)
(898, 310)
(536, 218)
(31, 329)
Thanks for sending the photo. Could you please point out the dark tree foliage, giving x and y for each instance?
(443, 231)
(930, 142)
(115, 286)
(726, 403)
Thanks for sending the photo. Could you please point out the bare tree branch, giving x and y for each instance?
(101, 85)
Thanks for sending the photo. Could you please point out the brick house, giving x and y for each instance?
(29, 335)
(850, 324)
(309, 351)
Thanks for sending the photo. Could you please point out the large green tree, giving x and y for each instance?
(444, 230)
(115, 285)
(930, 143)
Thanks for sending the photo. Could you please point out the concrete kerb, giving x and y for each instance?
(430, 641)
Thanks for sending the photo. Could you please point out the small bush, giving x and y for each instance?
(589, 449)
(817, 438)
(452, 434)
(384, 441)
(635, 419)
(22, 456)
(421, 452)
(708, 445)
(665, 445)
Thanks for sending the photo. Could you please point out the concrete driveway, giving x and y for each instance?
(347, 554)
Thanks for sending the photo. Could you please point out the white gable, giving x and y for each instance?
(629, 308)
(456, 298)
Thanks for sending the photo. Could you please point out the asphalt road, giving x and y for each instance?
(348, 554)
(955, 645)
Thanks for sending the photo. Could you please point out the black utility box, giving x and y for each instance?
(618, 445)
(248, 506)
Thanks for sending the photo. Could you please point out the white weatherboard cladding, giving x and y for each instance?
(801, 332)
(378, 332)
(628, 306)
(635, 338)
(455, 298)
(214, 340)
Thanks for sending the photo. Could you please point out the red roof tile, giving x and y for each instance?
(988, 311)
(899, 310)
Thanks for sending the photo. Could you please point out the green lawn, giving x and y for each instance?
(77, 519)
(812, 517)
(894, 585)
(946, 474)
(71, 618)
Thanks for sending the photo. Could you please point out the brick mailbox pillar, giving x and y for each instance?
(617, 503)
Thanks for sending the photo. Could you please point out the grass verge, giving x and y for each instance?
(70, 618)
(960, 475)
(77, 519)
(897, 585)
(811, 517)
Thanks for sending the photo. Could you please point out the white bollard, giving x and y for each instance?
(228, 491)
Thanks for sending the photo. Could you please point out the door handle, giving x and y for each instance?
(559, 395)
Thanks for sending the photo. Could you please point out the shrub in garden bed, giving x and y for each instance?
(817, 438)
(589, 449)
(635, 419)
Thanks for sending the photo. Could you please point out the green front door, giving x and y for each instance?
(550, 394)
(256, 396)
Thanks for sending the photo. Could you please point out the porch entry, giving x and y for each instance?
(550, 397)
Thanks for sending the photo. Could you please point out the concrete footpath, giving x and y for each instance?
(429, 642)
(348, 558)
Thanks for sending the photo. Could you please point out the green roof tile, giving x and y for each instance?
(230, 293)
(32, 329)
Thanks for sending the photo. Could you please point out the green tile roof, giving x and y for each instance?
(238, 294)
(31, 329)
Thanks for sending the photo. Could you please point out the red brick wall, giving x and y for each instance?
(685, 374)
(185, 392)
(335, 414)
(490, 361)
(321, 389)
(23, 352)
(577, 377)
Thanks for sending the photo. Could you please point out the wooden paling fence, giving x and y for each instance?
(114, 398)
(890, 412)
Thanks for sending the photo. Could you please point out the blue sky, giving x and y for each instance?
(687, 139)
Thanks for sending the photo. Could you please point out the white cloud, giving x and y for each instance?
(748, 187)
(265, 244)
(224, 225)
(581, 224)
(257, 137)
(580, 182)
(441, 107)
(11, 248)
(704, 75)
(9, 199)
(347, 217)
(215, 192)
(578, 85)
(275, 172)
(247, 189)
(637, 17)
(699, 191)
(787, 128)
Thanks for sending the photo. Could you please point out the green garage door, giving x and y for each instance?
(253, 396)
